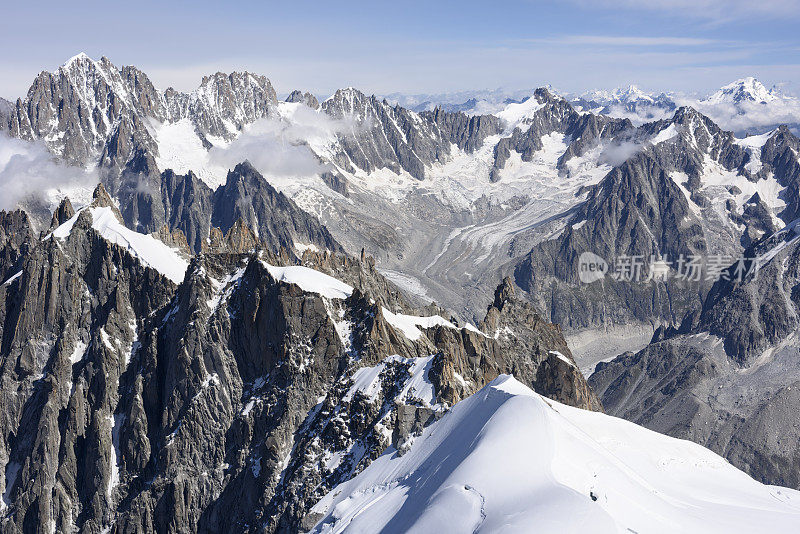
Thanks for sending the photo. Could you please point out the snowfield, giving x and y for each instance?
(508, 460)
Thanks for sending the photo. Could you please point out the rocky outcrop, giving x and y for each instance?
(16, 239)
(6, 108)
(549, 366)
(464, 131)
(306, 98)
(512, 339)
(275, 218)
(62, 214)
(188, 205)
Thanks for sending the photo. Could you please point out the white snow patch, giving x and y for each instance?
(249, 407)
(407, 283)
(754, 144)
(180, 149)
(666, 134)
(310, 280)
(106, 338)
(716, 182)
(561, 357)
(79, 351)
(224, 288)
(12, 278)
(63, 231)
(209, 379)
(115, 423)
(515, 114)
(408, 324)
(755, 141)
(149, 250)
(11, 471)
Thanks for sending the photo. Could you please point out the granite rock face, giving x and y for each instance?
(274, 217)
(16, 239)
(223, 104)
(193, 208)
(393, 137)
(87, 105)
(6, 108)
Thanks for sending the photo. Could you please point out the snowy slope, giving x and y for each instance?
(507, 460)
(148, 250)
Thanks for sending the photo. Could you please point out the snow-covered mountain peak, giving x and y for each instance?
(516, 114)
(631, 94)
(743, 90)
(346, 100)
(81, 65)
(506, 459)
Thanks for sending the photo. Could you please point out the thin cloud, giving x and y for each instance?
(610, 40)
(712, 10)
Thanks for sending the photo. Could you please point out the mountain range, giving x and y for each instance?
(744, 106)
(218, 308)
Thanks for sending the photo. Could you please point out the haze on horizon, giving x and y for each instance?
(575, 45)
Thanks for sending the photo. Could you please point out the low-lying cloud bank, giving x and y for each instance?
(281, 146)
(749, 118)
(743, 118)
(29, 172)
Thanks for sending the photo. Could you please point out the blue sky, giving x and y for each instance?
(414, 46)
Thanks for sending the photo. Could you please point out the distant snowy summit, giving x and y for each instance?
(478, 102)
(744, 106)
(744, 90)
(626, 102)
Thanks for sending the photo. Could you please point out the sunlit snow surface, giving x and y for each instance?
(508, 460)
(147, 249)
(311, 281)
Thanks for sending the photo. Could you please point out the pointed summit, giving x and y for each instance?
(78, 58)
(631, 94)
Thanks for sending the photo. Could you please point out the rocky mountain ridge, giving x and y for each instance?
(135, 399)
